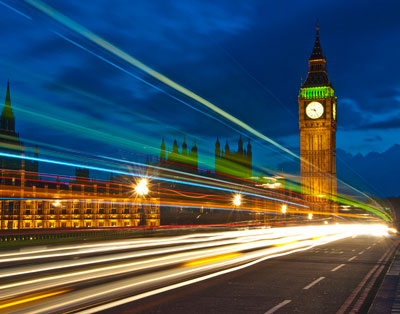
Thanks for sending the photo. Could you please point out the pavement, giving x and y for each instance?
(387, 299)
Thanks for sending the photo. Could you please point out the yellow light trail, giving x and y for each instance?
(211, 259)
(34, 298)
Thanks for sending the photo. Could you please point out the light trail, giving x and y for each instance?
(94, 38)
(188, 267)
(86, 33)
(101, 169)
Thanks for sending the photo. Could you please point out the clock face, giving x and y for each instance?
(334, 111)
(314, 110)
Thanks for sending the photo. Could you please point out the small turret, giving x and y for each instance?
(249, 153)
(184, 148)
(240, 145)
(163, 155)
(227, 148)
(217, 148)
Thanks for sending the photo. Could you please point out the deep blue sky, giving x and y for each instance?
(247, 57)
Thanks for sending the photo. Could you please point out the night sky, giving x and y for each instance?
(246, 57)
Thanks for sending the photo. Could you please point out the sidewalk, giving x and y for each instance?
(387, 299)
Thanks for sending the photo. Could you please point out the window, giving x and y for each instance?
(101, 211)
(113, 211)
(76, 211)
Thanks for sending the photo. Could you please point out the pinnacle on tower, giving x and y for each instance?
(317, 50)
(163, 154)
(317, 75)
(7, 116)
(240, 145)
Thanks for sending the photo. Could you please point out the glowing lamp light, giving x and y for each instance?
(310, 215)
(236, 200)
(57, 203)
(141, 188)
(284, 207)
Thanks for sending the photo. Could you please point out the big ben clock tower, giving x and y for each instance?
(317, 121)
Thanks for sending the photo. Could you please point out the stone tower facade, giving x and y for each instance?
(317, 122)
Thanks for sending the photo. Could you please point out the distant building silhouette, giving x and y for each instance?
(183, 160)
(233, 163)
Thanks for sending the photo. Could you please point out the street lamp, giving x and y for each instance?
(284, 207)
(310, 216)
(142, 189)
(236, 200)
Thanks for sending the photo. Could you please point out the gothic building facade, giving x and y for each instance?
(317, 122)
(27, 201)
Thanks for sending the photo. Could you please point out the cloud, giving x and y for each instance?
(373, 172)
(391, 123)
(377, 138)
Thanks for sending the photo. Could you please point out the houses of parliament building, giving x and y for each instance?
(29, 200)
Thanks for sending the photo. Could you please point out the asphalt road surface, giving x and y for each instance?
(320, 280)
(304, 269)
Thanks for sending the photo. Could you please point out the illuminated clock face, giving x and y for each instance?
(334, 111)
(314, 110)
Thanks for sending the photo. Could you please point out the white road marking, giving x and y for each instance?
(338, 267)
(277, 307)
(368, 247)
(313, 283)
(362, 252)
(351, 258)
(353, 250)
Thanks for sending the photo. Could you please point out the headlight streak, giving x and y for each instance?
(235, 256)
(147, 264)
(122, 256)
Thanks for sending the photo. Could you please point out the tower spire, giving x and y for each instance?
(317, 50)
(317, 75)
(7, 116)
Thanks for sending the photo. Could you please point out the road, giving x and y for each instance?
(319, 280)
(288, 270)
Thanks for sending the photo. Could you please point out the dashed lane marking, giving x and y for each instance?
(313, 283)
(351, 258)
(362, 252)
(277, 307)
(338, 267)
